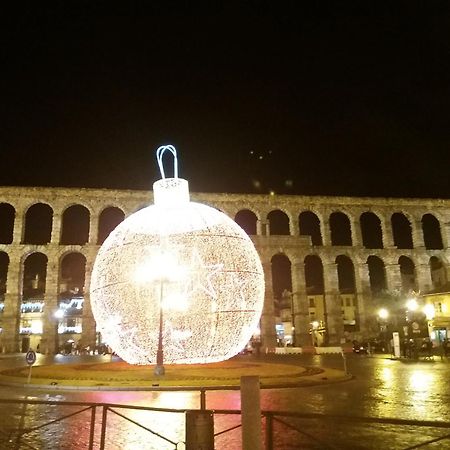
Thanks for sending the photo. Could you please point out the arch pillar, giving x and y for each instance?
(364, 299)
(445, 234)
(417, 234)
(19, 229)
(387, 233)
(294, 227)
(264, 227)
(325, 232)
(50, 338)
(258, 227)
(56, 229)
(88, 328)
(10, 337)
(300, 305)
(423, 277)
(333, 309)
(356, 233)
(268, 332)
(93, 229)
(393, 277)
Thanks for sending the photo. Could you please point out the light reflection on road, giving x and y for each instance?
(381, 388)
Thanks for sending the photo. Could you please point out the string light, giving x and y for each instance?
(180, 275)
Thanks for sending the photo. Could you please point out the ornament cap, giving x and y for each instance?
(170, 191)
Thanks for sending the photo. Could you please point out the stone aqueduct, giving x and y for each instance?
(407, 238)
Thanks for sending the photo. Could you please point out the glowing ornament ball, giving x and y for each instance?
(183, 265)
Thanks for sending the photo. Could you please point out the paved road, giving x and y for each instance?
(381, 388)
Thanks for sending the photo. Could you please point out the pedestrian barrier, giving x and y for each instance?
(310, 349)
(98, 422)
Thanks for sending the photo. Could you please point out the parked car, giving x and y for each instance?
(360, 347)
(378, 346)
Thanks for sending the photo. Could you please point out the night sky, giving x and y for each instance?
(314, 98)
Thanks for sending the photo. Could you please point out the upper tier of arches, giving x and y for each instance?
(77, 217)
(369, 229)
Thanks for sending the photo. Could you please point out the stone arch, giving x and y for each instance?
(371, 231)
(34, 276)
(281, 274)
(314, 279)
(401, 230)
(309, 225)
(432, 236)
(282, 288)
(247, 220)
(7, 215)
(340, 229)
(346, 274)
(38, 224)
(377, 274)
(408, 274)
(109, 219)
(4, 264)
(438, 272)
(72, 272)
(75, 225)
(278, 222)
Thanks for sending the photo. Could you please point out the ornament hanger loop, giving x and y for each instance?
(159, 157)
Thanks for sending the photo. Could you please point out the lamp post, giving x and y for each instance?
(59, 314)
(162, 268)
(383, 315)
(314, 327)
(430, 313)
(159, 368)
(288, 298)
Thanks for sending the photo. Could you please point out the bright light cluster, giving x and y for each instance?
(192, 261)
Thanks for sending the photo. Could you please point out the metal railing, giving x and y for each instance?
(306, 429)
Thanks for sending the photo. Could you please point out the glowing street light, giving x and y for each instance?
(429, 311)
(59, 314)
(162, 268)
(412, 304)
(383, 313)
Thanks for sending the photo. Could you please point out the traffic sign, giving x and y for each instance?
(30, 357)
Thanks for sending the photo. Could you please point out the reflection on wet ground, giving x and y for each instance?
(381, 388)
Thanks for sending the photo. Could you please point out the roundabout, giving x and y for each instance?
(117, 374)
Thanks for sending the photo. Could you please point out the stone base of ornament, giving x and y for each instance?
(159, 371)
(114, 374)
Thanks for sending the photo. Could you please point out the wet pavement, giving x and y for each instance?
(381, 388)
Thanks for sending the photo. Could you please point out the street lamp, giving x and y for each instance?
(429, 311)
(315, 326)
(383, 313)
(288, 296)
(58, 314)
(162, 268)
(412, 304)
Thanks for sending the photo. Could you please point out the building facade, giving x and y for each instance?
(329, 262)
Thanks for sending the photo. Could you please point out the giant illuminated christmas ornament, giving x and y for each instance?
(177, 281)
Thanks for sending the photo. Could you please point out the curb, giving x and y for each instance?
(326, 376)
(306, 383)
